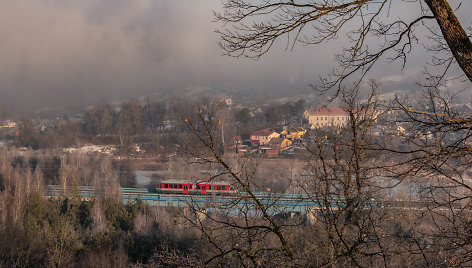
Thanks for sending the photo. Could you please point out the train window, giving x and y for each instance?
(209, 187)
(165, 185)
(218, 187)
(198, 186)
(180, 186)
(223, 188)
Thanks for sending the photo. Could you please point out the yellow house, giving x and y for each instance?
(294, 133)
(262, 137)
(280, 143)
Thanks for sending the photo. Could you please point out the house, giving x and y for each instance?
(400, 129)
(280, 143)
(8, 124)
(236, 140)
(223, 100)
(293, 133)
(263, 137)
(234, 143)
(275, 146)
(45, 125)
(269, 151)
(336, 117)
(376, 131)
(326, 117)
(462, 109)
(241, 150)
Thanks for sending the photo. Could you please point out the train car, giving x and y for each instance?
(185, 187)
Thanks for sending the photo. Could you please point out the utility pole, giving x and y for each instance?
(291, 176)
(222, 135)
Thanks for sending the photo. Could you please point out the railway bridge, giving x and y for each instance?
(273, 203)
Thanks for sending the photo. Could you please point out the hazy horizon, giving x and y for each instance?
(77, 53)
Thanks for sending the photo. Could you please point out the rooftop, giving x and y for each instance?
(265, 132)
(276, 141)
(327, 112)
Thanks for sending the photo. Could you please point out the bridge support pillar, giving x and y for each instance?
(201, 214)
(186, 211)
(311, 216)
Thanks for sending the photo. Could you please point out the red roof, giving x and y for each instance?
(328, 112)
(265, 132)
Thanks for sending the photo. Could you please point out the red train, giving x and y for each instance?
(194, 188)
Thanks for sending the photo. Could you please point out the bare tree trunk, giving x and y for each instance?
(454, 34)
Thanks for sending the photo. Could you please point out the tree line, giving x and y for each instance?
(154, 125)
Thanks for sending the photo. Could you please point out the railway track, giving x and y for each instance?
(274, 202)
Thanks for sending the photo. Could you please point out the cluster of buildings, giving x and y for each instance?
(270, 143)
(267, 142)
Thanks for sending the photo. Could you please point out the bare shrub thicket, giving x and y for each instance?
(70, 231)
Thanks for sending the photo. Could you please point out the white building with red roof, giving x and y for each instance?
(326, 117)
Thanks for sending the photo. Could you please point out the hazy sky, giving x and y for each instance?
(69, 52)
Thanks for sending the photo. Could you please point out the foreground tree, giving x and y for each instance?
(436, 154)
(346, 170)
(237, 240)
(349, 220)
(252, 27)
